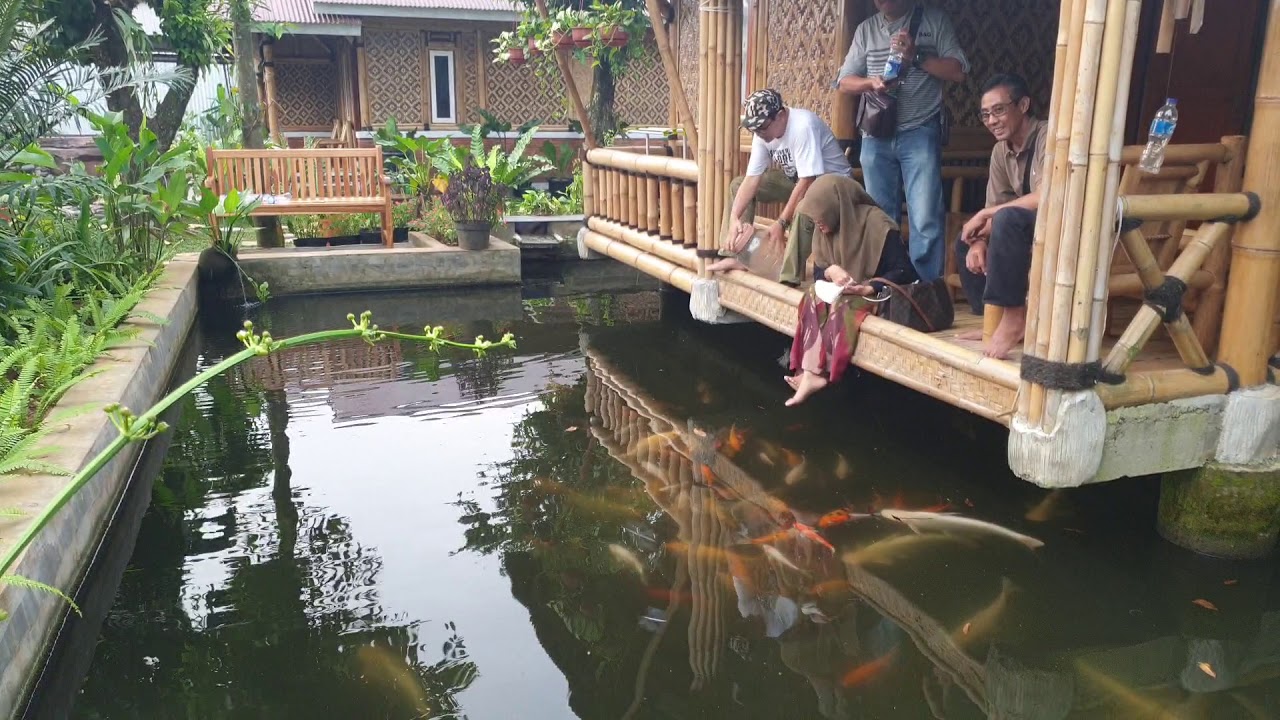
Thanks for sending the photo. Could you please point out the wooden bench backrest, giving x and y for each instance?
(304, 174)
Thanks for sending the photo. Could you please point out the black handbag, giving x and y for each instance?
(878, 111)
(923, 306)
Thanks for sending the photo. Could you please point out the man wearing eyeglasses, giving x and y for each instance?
(912, 157)
(803, 147)
(993, 252)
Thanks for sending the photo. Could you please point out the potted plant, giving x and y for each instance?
(562, 25)
(402, 213)
(612, 21)
(218, 261)
(509, 47)
(473, 200)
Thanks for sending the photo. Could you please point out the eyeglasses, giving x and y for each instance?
(996, 111)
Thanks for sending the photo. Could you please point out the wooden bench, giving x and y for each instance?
(320, 181)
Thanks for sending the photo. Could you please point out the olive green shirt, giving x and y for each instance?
(1008, 169)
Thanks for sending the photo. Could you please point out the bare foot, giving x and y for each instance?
(810, 383)
(969, 335)
(794, 380)
(726, 264)
(1008, 333)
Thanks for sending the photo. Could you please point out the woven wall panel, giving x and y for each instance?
(1003, 36)
(801, 62)
(687, 47)
(306, 94)
(643, 96)
(395, 75)
(468, 82)
(517, 94)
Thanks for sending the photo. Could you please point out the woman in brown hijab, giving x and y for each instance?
(853, 241)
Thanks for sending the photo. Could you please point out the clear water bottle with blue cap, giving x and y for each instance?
(892, 64)
(1162, 126)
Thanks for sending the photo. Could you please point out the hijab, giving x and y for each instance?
(858, 226)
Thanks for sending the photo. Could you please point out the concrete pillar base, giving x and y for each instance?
(1221, 512)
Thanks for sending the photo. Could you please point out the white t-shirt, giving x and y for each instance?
(806, 149)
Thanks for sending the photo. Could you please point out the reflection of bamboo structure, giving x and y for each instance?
(326, 364)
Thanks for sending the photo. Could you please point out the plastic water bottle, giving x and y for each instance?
(1162, 126)
(892, 65)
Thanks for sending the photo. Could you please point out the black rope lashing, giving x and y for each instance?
(1066, 376)
(1274, 362)
(705, 253)
(1166, 299)
(1130, 224)
(1233, 377)
(1206, 370)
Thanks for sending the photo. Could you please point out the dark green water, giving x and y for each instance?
(600, 525)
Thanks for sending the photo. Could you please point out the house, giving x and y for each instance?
(347, 66)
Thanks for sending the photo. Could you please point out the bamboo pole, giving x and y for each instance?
(643, 241)
(1207, 321)
(1100, 192)
(1044, 257)
(1156, 386)
(706, 170)
(1164, 37)
(676, 197)
(716, 118)
(1252, 302)
(691, 205)
(1076, 190)
(653, 207)
(1144, 323)
(1102, 271)
(664, 208)
(672, 167)
(681, 278)
(669, 65)
(570, 85)
(1197, 206)
(588, 190)
(1130, 285)
(1181, 9)
(362, 83)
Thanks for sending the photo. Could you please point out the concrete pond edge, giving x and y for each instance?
(135, 374)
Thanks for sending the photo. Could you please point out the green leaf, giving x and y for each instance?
(36, 156)
(29, 584)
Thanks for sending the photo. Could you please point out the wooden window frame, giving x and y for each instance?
(436, 120)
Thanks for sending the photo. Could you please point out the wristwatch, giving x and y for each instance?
(786, 224)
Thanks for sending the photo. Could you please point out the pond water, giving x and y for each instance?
(620, 520)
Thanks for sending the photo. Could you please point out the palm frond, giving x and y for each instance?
(29, 584)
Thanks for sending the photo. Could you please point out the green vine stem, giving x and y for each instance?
(135, 428)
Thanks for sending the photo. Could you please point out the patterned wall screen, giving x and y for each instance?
(642, 96)
(395, 75)
(801, 63)
(306, 94)
(518, 94)
(687, 46)
(468, 82)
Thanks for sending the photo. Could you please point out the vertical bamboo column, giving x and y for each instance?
(677, 211)
(720, 100)
(1207, 321)
(653, 208)
(588, 189)
(1097, 323)
(664, 208)
(690, 213)
(705, 155)
(1252, 299)
(1077, 187)
(1049, 218)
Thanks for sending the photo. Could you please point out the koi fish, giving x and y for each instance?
(708, 476)
(1044, 509)
(868, 671)
(1138, 704)
(889, 549)
(797, 473)
(627, 558)
(842, 471)
(811, 534)
(776, 554)
(923, 519)
(793, 458)
(836, 517)
(984, 621)
(734, 442)
(830, 586)
(708, 552)
(378, 665)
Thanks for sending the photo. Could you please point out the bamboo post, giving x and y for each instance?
(588, 189)
(362, 84)
(1097, 327)
(653, 209)
(677, 211)
(669, 64)
(1227, 178)
(691, 206)
(706, 169)
(1075, 191)
(1252, 302)
(1100, 188)
(570, 86)
(714, 14)
(1164, 37)
(269, 85)
(664, 208)
(1048, 220)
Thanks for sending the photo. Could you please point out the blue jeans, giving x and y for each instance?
(913, 157)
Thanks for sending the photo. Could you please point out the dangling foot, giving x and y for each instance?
(969, 335)
(726, 264)
(1008, 333)
(809, 384)
(794, 380)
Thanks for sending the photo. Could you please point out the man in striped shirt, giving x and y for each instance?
(913, 155)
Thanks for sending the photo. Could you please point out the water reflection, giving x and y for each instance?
(619, 521)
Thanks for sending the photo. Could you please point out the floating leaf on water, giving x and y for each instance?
(1205, 604)
(1207, 669)
(571, 428)
(965, 629)
(1230, 582)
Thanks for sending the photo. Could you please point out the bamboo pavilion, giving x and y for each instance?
(1099, 390)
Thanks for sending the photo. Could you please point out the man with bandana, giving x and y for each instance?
(803, 147)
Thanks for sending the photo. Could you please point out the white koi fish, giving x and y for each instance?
(920, 520)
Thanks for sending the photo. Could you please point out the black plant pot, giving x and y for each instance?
(371, 236)
(558, 185)
(400, 234)
(309, 241)
(215, 266)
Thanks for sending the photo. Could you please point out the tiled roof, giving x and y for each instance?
(483, 5)
(299, 12)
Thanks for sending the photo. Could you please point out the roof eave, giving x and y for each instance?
(336, 29)
(388, 11)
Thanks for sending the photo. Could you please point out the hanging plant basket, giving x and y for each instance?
(516, 56)
(561, 40)
(614, 36)
(582, 37)
(533, 51)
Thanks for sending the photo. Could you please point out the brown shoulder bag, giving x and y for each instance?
(878, 111)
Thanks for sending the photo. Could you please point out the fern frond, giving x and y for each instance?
(29, 584)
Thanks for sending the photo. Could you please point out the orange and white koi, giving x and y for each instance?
(811, 534)
(868, 671)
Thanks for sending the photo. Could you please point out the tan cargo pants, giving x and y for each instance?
(775, 187)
